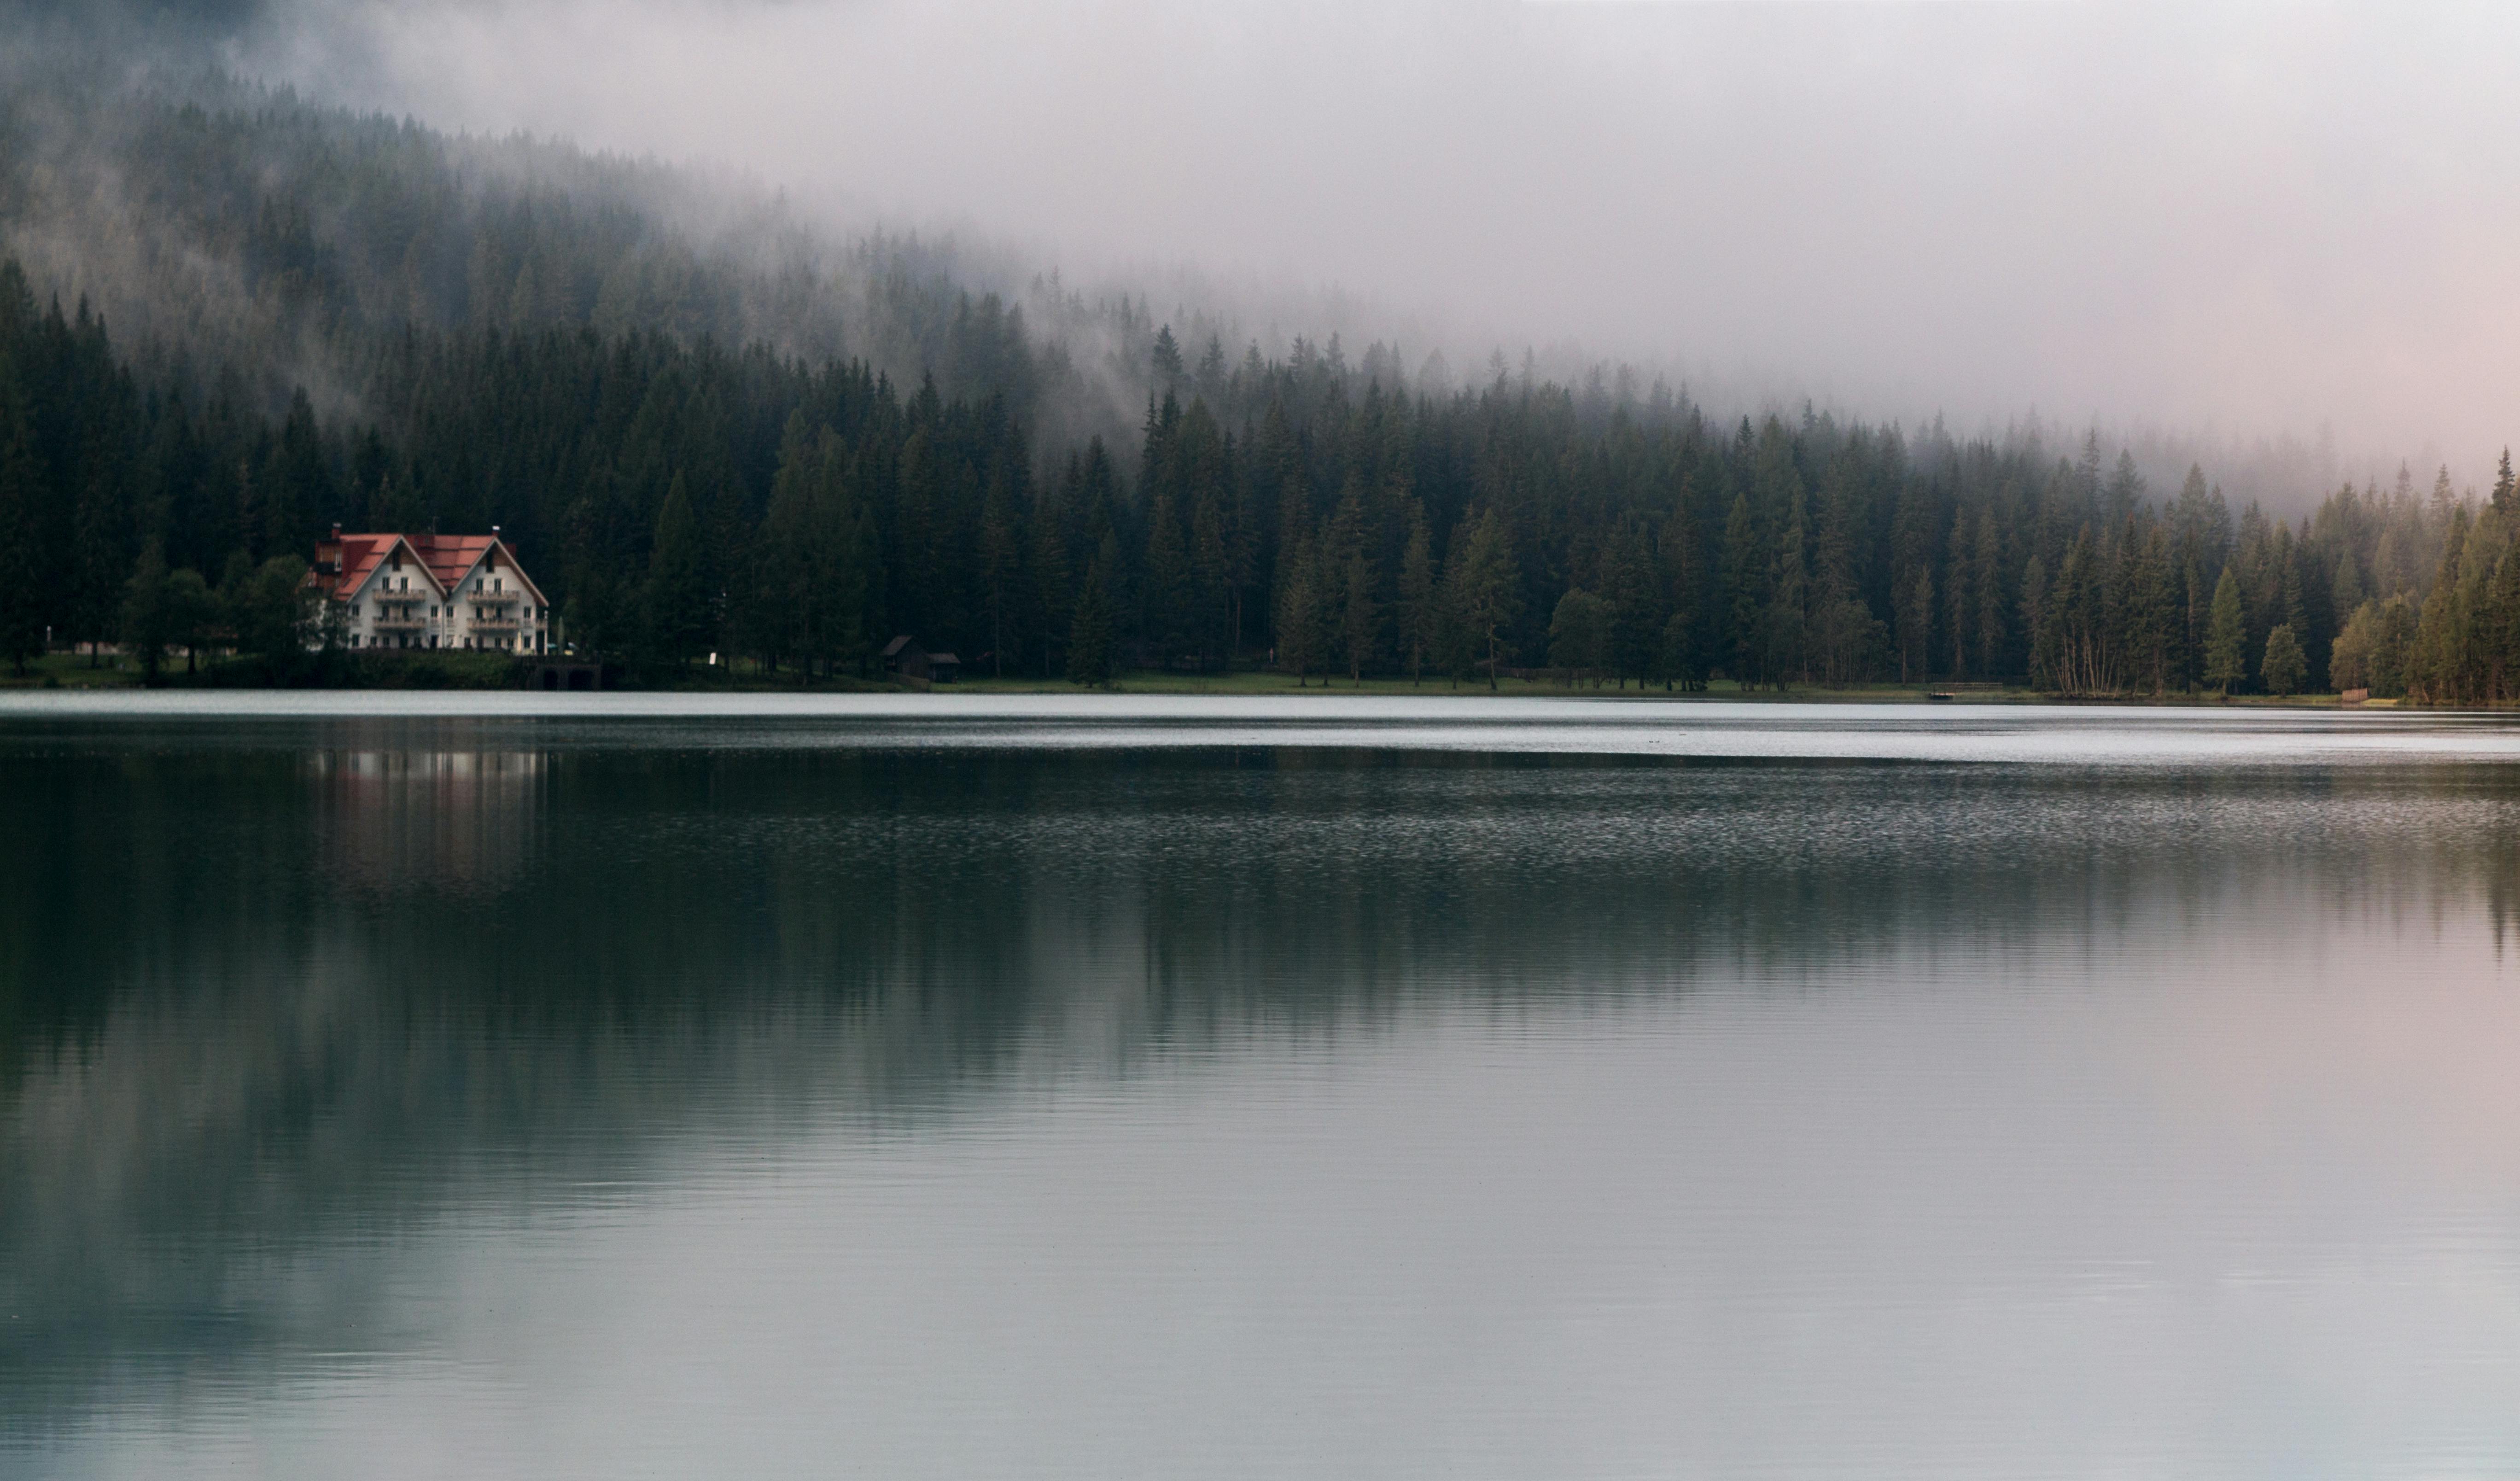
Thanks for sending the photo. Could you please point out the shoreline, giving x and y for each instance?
(58, 672)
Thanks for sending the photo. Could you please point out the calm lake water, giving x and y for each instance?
(497, 1087)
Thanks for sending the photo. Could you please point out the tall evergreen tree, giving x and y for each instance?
(2283, 666)
(1089, 640)
(677, 602)
(1416, 609)
(2227, 637)
(1486, 589)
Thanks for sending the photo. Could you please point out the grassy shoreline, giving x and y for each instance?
(484, 671)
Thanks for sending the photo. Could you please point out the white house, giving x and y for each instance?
(402, 591)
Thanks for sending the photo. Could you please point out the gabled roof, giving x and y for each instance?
(361, 555)
(443, 560)
(452, 557)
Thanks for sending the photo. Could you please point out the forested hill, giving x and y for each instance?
(293, 244)
(234, 319)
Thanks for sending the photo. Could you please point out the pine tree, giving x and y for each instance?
(2503, 628)
(1052, 602)
(1484, 585)
(1990, 595)
(1168, 582)
(22, 560)
(1786, 620)
(2152, 618)
(1628, 587)
(1303, 639)
(2438, 660)
(144, 610)
(101, 554)
(2283, 666)
(1956, 605)
(677, 593)
(2225, 638)
(1088, 634)
(1743, 598)
(1361, 618)
(1001, 565)
(1416, 593)
(2033, 618)
(1916, 628)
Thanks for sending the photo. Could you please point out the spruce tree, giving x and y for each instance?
(101, 556)
(1742, 591)
(1089, 633)
(2283, 666)
(1416, 593)
(677, 593)
(2226, 665)
(1361, 618)
(22, 524)
(1628, 587)
(1001, 565)
(1484, 585)
(1916, 628)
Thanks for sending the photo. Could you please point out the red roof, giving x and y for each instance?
(450, 557)
(446, 559)
(361, 555)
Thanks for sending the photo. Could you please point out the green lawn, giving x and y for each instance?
(71, 671)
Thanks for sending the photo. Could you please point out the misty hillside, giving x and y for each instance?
(230, 319)
(252, 231)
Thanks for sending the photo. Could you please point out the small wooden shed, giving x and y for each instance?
(907, 656)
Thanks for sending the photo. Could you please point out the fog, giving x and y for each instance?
(2235, 223)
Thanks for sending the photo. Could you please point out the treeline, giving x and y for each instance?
(677, 499)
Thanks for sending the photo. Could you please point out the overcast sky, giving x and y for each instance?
(2255, 219)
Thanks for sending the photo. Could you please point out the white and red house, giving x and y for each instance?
(403, 591)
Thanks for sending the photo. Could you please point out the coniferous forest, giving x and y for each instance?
(793, 459)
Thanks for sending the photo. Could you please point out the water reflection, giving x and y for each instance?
(459, 818)
(277, 1005)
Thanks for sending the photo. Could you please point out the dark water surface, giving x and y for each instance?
(433, 1086)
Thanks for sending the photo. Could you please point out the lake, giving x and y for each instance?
(509, 1086)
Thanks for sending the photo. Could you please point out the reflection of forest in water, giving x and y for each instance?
(257, 994)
